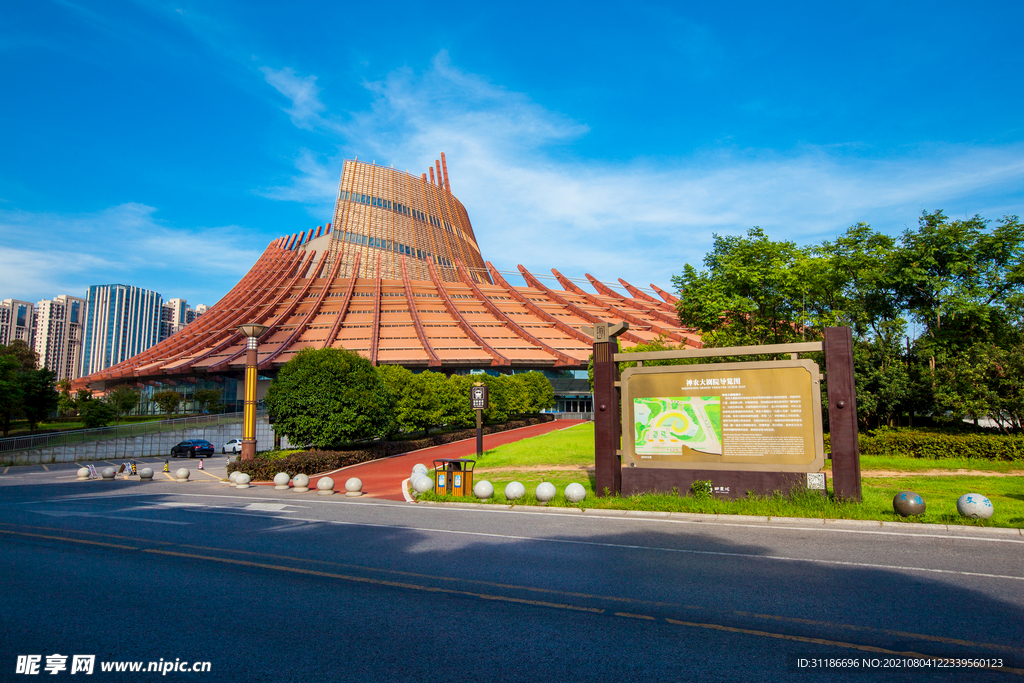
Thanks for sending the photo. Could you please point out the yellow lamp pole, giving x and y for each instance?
(252, 333)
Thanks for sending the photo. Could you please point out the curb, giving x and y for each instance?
(741, 520)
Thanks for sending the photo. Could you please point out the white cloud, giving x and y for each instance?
(121, 244)
(302, 92)
(640, 220)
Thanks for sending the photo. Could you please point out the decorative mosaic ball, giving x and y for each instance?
(974, 506)
(514, 491)
(420, 468)
(575, 493)
(422, 484)
(281, 480)
(545, 491)
(907, 503)
(182, 474)
(483, 489)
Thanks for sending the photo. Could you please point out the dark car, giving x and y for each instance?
(192, 448)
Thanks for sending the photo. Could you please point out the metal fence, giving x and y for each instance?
(140, 439)
(574, 416)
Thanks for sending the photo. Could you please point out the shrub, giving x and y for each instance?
(928, 444)
(329, 396)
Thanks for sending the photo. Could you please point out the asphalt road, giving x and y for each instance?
(279, 586)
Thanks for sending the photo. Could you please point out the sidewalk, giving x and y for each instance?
(383, 478)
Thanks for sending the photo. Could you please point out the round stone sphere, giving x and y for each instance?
(545, 491)
(325, 486)
(422, 484)
(281, 480)
(83, 473)
(908, 503)
(353, 485)
(974, 506)
(483, 489)
(145, 473)
(108, 473)
(182, 474)
(300, 483)
(242, 480)
(233, 476)
(575, 493)
(514, 491)
(420, 468)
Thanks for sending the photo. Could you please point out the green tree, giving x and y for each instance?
(96, 413)
(167, 400)
(751, 293)
(10, 390)
(122, 399)
(326, 397)
(65, 403)
(39, 395)
(421, 401)
(208, 400)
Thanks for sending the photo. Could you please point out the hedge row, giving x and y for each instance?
(927, 444)
(315, 462)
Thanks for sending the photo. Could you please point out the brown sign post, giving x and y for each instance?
(479, 401)
(745, 426)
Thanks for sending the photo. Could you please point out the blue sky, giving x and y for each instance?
(164, 144)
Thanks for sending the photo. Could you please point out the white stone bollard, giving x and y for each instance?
(146, 474)
(242, 480)
(483, 489)
(325, 487)
(300, 483)
(354, 487)
(545, 492)
(182, 475)
(975, 506)
(108, 474)
(281, 480)
(575, 493)
(419, 468)
(232, 477)
(83, 474)
(514, 491)
(422, 484)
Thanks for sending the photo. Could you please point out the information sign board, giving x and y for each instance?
(762, 416)
(478, 397)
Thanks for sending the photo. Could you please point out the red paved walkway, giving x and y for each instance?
(383, 478)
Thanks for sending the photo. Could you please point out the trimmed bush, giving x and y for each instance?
(912, 443)
(315, 461)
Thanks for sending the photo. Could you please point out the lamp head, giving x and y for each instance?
(252, 329)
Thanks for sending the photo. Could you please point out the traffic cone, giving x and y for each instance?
(167, 467)
(200, 464)
(134, 470)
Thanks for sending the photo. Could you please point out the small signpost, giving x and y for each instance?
(479, 401)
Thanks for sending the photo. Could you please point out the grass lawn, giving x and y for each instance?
(567, 456)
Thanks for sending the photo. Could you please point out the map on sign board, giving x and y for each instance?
(665, 425)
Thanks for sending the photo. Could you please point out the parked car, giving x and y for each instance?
(233, 446)
(192, 448)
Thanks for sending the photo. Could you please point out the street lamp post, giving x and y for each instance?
(252, 333)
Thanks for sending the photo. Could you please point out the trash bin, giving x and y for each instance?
(453, 476)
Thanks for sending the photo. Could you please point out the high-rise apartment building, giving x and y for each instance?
(176, 314)
(15, 321)
(57, 335)
(120, 322)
